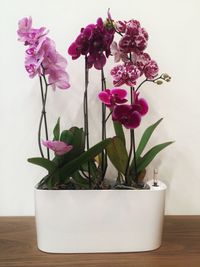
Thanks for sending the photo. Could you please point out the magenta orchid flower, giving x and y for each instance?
(127, 74)
(113, 97)
(41, 55)
(127, 116)
(93, 42)
(59, 147)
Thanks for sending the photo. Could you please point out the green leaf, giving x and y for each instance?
(80, 181)
(119, 131)
(78, 140)
(145, 138)
(56, 130)
(68, 169)
(94, 171)
(117, 154)
(66, 136)
(74, 137)
(52, 179)
(50, 166)
(150, 155)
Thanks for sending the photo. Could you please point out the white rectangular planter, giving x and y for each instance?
(84, 221)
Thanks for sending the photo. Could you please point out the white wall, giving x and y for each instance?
(174, 42)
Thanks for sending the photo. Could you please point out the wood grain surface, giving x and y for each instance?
(180, 248)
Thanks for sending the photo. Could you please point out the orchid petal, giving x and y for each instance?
(58, 147)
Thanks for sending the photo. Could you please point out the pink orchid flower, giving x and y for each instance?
(58, 147)
(41, 55)
(24, 26)
(58, 78)
(113, 97)
(120, 26)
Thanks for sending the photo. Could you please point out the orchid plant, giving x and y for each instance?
(96, 43)
(77, 165)
(43, 60)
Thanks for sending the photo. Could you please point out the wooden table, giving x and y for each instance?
(181, 247)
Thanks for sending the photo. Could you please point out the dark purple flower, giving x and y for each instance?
(135, 38)
(140, 104)
(147, 66)
(141, 60)
(98, 60)
(126, 73)
(94, 42)
(113, 97)
(127, 116)
(151, 70)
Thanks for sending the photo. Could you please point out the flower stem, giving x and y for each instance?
(108, 116)
(86, 119)
(127, 178)
(141, 84)
(41, 119)
(104, 153)
(132, 149)
(43, 115)
(134, 154)
(133, 138)
(147, 80)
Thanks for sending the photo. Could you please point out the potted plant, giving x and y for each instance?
(77, 209)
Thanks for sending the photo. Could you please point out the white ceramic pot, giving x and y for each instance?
(84, 221)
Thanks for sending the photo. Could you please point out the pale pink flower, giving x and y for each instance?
(32, 65)
(41, 55)
(29, 35)
(109, 17)
(24, 26)
(58, 78)
(120, 26)
(118, 55)
(58, 147)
